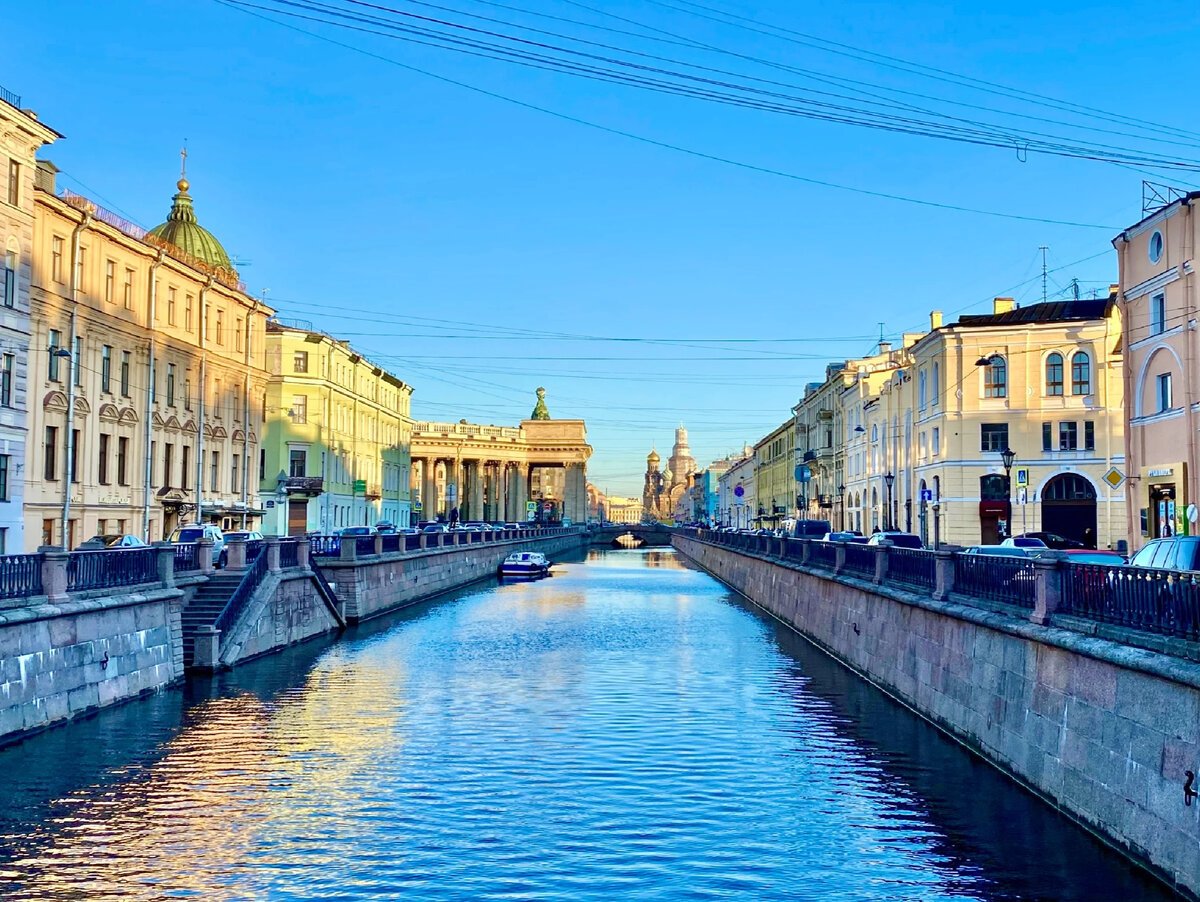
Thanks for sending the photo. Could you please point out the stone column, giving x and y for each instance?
(944, 566)
(476, 485)
(206, 648)
(54, 573)
(455, 478)
(272, 552)
(520, 491)
(205, 553)
(235, 549)
(166, 564)
(429, 499)
(1047, 570)
(881, 562)
(303, 551)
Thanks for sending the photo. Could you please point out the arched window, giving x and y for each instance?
(1081, 374)
(921, 390)
(995, 378)
(1068, 487)
(1054, 375)
(8, 289)
(875, 433)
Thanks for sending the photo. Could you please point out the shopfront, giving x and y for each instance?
(1164, 502)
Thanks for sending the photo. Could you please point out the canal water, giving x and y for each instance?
(627, 729)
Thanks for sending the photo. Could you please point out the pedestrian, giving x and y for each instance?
(1089, 538)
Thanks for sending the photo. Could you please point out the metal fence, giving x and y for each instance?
(860, 559)
(1166, 602)
(187, 557)
(254, 547)
(112, 568)
(325, 546)
(20, 575)
(289, 553)
(1008, 580)
(913, 567)
(364, 545)
(412, 543)
(822, 554)
(242, 594)
(392, 542)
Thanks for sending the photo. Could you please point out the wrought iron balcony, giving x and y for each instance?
(308, 485)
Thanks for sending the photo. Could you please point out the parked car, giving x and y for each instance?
(811, 529)
(347, 531)
(385, 527)
(1033, 546)
(1092, 556)
(195, 532)
(408, 531)
(853, 537)
(1174, 553)
(1052, 540)
(431, 528)
(112, 541)
(897, 538)
(246, 535)
(997, 551)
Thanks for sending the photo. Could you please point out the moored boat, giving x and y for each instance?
(525, 563)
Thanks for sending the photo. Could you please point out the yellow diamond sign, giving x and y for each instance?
(1114, 477)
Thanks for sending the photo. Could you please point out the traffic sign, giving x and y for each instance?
(926, 494)
(1114, 478)
(739, 491)
(1022, 495)
(803, 474)
(360, 485)
(1023, 476)
(530, 507)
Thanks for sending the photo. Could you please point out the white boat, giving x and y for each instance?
(525, 563)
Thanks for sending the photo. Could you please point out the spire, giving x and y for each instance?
(539, 410)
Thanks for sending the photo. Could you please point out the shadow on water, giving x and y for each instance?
(988, 825)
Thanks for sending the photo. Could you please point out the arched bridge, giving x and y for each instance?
(640, 534)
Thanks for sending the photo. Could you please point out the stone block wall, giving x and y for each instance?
(58, 661)
(287, 608)
(1104, 731)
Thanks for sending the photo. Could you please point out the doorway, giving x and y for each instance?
(1069, 508)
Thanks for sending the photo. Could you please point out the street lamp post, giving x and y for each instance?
(841, 490)
(1007, 456)
(889, 479)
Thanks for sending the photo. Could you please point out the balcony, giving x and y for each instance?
(305, 485)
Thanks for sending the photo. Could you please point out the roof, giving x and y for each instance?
(183, 231)
(1046, 312)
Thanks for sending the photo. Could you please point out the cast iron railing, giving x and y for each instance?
(1156, 601)
(412, 543)
(20, 575)
(254, 547)
(364, 545)
(822, 554)
(187, 557)
(860, 559)
(1008, 580)
(289, 553)
(111, 569)
(391, 542)
(913, 567)
(325, 546)
(242, 594)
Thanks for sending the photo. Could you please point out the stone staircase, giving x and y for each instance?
(206, 606)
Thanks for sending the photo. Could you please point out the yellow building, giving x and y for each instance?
(624, 510)
(338, 436)
(146, 381)
(775, 477)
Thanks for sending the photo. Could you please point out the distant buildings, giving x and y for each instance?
(665, 494)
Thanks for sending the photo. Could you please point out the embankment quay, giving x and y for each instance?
(629, 728)
(1081, 682)
(83, 630)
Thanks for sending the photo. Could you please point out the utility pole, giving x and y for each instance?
(1043, 249)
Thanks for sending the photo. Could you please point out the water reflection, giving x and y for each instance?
(626, 729)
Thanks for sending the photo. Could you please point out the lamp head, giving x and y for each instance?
(1008, 456)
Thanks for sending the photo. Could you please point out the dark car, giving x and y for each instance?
(1175, 553)
(811, 529)
(1052, 540)
(899, 539)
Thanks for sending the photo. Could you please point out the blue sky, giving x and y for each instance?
(477, 247)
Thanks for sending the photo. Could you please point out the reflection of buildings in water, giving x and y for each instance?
(667, 560)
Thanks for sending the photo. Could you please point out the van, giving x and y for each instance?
(1174, 553)
(811, 529)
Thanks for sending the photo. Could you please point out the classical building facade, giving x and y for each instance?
(337, 443)
(737, 503)
(21, 136)
(775, 477)
(1162, 376)
(146, 379)
(534, 471)
(624, 510)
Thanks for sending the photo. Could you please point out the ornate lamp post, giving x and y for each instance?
(841, 490)
(1007, 456)
(889, 479)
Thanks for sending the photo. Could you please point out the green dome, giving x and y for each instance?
(182, 231)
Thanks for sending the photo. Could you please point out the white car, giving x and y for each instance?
(197, 531)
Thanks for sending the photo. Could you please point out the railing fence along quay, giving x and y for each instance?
(187, 557)
(20, 575)
(1157, 609)
(112, 568)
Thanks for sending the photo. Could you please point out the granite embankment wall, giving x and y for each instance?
(369, 587)
(286, 608)
(1104, 731)
(60, 660)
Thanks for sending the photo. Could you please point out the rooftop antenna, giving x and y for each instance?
(1075, 288)
(1043, 249)
(880, 335)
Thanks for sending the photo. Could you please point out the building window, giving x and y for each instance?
(1155, 247)
(4, 458)
(6, 380)
(1068, 436)
(102, 469)
(170, 385)
(74, 455)
(122, 460)
(300, 362)
(237, 334)
(936, 441)
(262, 464)
(1081, 374)
(187, 394)
(1054, 374)
(1158, 313)
(995, 378)
(77, 361)
(56, 259)
(185, 465)
(297, 462)
(126, 364)
(50, 453)
(921, 390)
(106, 368)
(993, 436)
(153, 463)
(220, 327)
(937, 384)
(10, 279)
(110, 281)
(81, 269)
(299, 411)
(1164, 392)
(187, 312)
(55, 347)
(127, 290)
(1047, 436)
(233, 482)
(170, 306)
(214, 470)
(48, 532)
(1089, 436)
(14, 183)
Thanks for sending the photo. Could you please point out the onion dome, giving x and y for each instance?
(653, 457)
(183, 231)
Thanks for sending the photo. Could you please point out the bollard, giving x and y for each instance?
(206, 648)
(54, 572)
(204, 551)
(235, 553)
(272, 553)
(1048, 573)
(165, 564)
(944, 567)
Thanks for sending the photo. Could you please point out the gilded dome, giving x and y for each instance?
(182, 231)
(653, 457)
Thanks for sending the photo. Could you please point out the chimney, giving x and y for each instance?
(1113, 291)
(885, 347)
(1003, 305)
(935, 320)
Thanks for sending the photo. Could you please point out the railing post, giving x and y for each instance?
(54, 572)
(165, 563)
(204, 555)
(805, 550)
(272, 552)
(348, 549)
(839, 557)
(881, 562)
(303, 550)
(1048, 577)
(943, 564)
(206, 648)
(235, 553)
(378, 544)
(423, 541)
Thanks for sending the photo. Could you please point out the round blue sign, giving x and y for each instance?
(739, 491)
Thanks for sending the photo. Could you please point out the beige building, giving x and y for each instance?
(737, 503)
(624, 510)
(146, 381)
(1162, 376)
(537, 470)
(336, 447)
(21, 136)
(775, 477)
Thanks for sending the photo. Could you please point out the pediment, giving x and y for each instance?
(54, 400)
(108, 412)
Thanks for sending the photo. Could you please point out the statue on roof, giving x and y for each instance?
(539, 410)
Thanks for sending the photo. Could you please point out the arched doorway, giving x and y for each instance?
(1069, 508)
